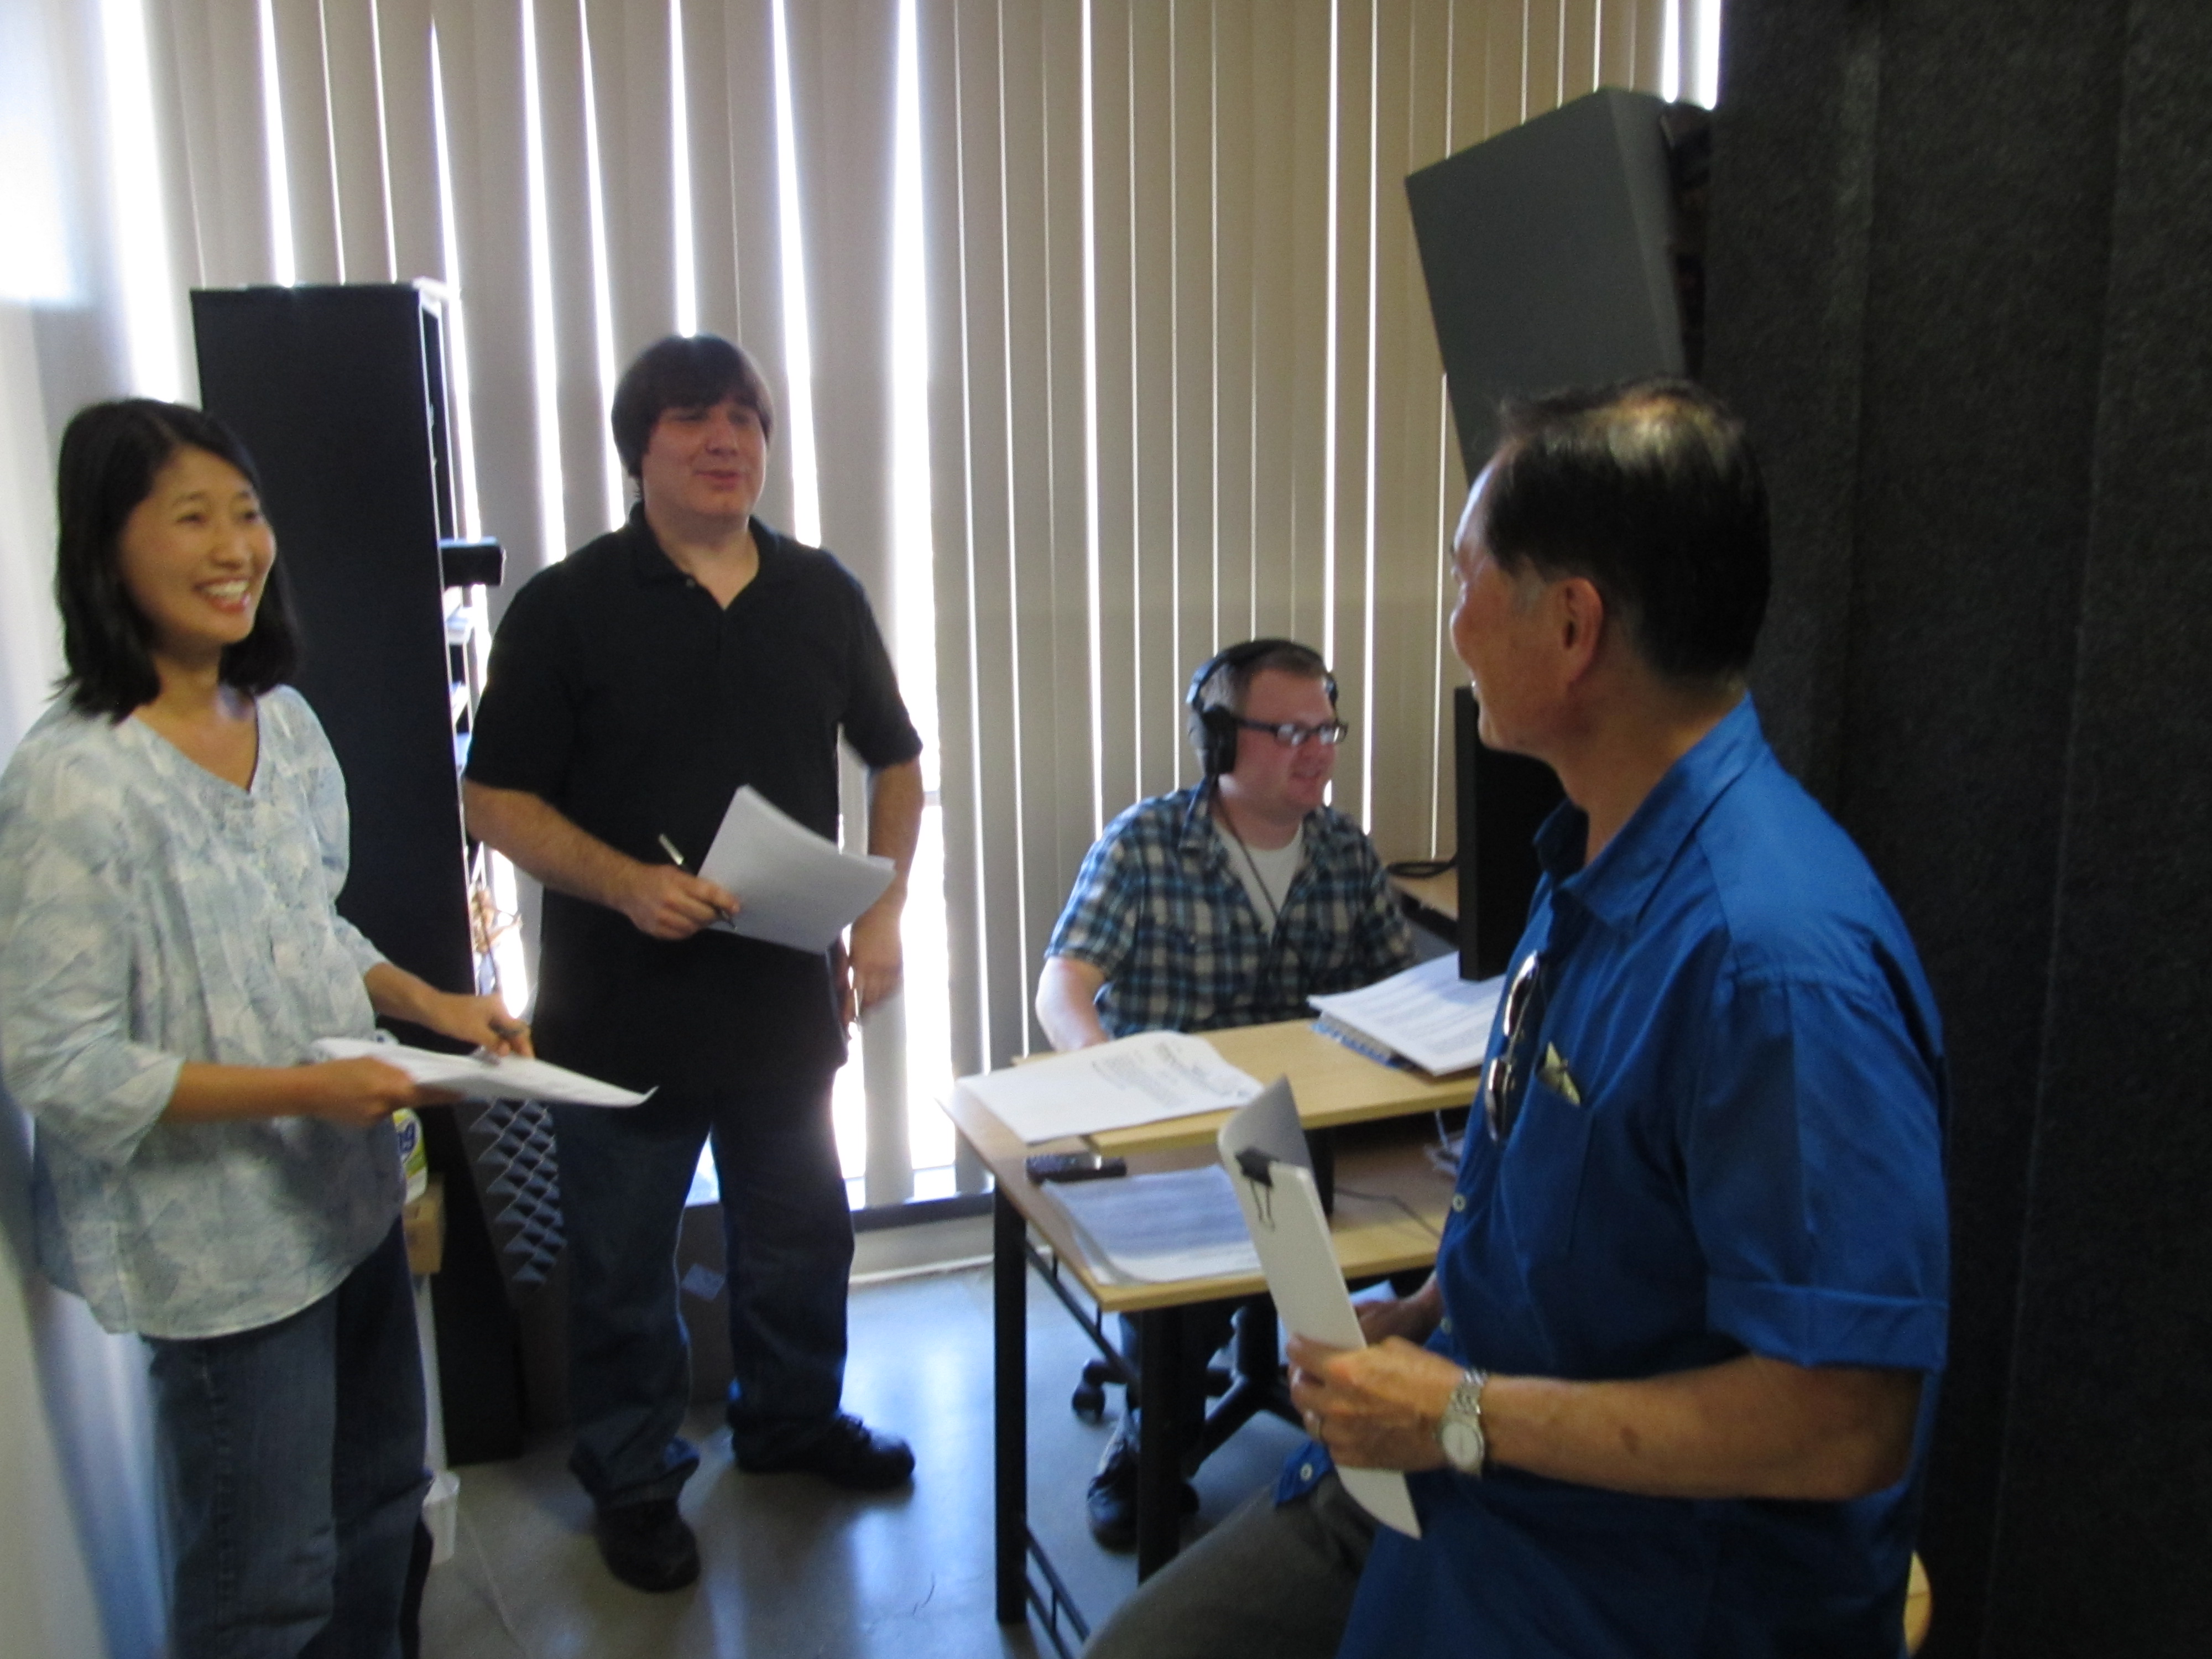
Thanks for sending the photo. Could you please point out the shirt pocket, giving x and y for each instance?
(1170, 930)
(1540, 1175)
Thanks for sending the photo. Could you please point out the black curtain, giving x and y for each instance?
(1959, 282)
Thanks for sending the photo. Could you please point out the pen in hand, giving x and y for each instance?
(676, 858)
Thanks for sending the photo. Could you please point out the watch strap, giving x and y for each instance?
(1460, 1433)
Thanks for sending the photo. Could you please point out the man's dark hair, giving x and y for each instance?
(1649, 490)
(111, 454)
(1230, 683)
(684, 371)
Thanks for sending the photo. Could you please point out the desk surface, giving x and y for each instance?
(1437, 893)
(1333, 1086)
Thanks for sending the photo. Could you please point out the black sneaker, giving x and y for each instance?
(848, 1454)
(1110, 1502)
(648, 1546)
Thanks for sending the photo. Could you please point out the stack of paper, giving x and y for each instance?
(793, 887)
(1157, 1229)
(1115, 1085)
(1429, 1014)
(481, 1077)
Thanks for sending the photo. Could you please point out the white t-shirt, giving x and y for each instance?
(1266, 874)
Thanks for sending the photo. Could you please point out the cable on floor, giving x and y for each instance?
(491, 1582)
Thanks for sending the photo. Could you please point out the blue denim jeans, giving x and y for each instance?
(788, 1234)
(292, 1471)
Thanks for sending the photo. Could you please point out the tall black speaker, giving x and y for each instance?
(1557, 253)
(340, 395)
(1503, 801)
(1563, 252)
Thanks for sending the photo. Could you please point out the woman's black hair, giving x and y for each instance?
(111, 454)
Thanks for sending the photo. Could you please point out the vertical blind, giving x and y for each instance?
(1182, 388)
(1185, 391)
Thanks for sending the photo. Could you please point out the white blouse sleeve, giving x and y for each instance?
(66, 925)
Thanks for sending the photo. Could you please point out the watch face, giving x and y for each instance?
(1462, 1444)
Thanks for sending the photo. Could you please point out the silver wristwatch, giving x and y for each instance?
(1459, 1433)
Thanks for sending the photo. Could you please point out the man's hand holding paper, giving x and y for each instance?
(1375, 1407)
(803, 891)
(666, 902)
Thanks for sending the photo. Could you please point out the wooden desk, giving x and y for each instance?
(1438, 895)
(1374, 1238)
(1333, 1085)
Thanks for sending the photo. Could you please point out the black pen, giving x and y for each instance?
(677, 859)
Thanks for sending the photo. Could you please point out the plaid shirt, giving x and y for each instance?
(1157, 910)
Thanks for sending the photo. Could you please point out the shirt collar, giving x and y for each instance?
(1199, 821)
(650, 562)
(1198, 817)
(1619, 884)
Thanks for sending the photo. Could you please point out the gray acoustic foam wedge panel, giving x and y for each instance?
(1547, 254)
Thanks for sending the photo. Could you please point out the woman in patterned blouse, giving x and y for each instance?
(173, 839)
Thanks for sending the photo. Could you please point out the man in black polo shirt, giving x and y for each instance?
(634, 688)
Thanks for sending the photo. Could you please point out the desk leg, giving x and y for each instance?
(1010, 1390)
(1159, 1452)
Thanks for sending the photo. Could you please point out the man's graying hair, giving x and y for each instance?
(1648, 489)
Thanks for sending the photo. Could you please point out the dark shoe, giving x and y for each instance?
(848, 1454)
(648, 1546)
(1111, 1501)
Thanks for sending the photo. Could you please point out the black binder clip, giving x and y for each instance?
(1259, 1169)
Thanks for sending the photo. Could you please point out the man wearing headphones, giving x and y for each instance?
(1227, 903)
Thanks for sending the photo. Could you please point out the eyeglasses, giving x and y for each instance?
(1291, 735)
(1505, 1076)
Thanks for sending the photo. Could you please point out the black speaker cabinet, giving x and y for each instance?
(1565, 252)
(1503, 799)
(340, 394)
(1551, 253)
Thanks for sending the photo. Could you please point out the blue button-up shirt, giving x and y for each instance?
(1734, 1146)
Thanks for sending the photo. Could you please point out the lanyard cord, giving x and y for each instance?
(1275, 908)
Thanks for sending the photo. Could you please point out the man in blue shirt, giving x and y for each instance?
(1227, 903)
(1668, 1390)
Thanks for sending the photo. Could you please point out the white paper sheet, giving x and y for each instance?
(1115, 1085)
(1429, 1014)
(510, 1077)
(793, 887)
(1156, 1229)
(1291, 1232)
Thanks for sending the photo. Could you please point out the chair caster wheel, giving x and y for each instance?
(1089, 1400)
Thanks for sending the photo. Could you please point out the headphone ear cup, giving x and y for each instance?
(1220, 741)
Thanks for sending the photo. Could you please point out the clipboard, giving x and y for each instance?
(1283, 1213)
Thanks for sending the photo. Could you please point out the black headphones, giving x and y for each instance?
(1213, 728)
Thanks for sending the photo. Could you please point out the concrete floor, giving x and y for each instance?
(795, 1568)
